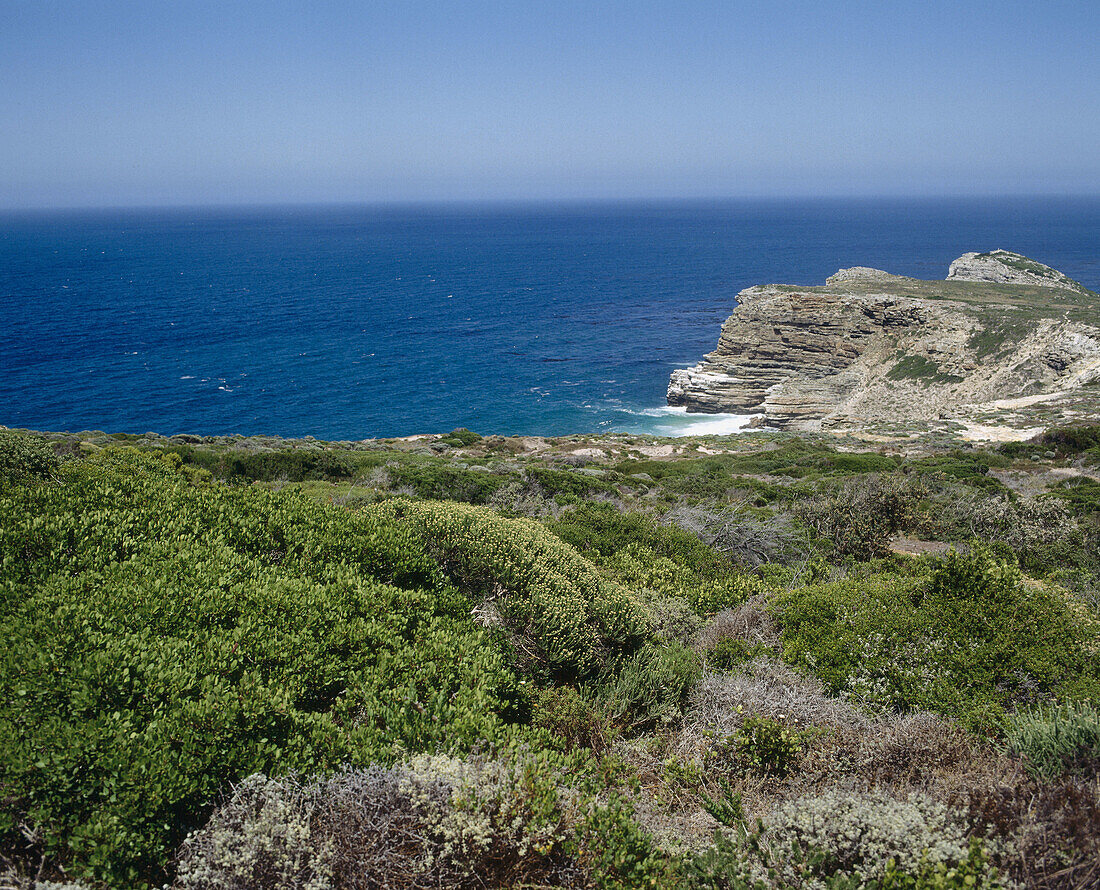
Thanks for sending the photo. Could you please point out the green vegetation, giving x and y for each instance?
(1056, 740)
(917, 367)
(455, 662)
(968, 640)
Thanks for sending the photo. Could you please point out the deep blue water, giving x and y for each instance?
(351, 322)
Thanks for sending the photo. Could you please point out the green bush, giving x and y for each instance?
(436, 480)
(968, 640)
(163, 639)
(652, 687)
(1068, 441)
(730, 653)
(768, 746)
(562, 617)
(25, 457)
(861, 516)
(600, 531)
(1056, 739)
(460, 438)
(287, 465)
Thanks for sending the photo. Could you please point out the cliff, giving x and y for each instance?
(868, 348)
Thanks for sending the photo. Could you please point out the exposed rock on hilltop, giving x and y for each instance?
(870, 348)
(1005, 267)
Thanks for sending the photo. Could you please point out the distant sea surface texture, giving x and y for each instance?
(356, 322)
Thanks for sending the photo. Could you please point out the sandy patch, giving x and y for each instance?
(657, 450)
(1024, 401)
(589, 452)
(979, 432)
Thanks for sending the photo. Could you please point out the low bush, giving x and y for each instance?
(286, 465)
(866, 834)
(24, 457)
(460, 438)
(162, 639)
(846, 841)
(861, 516)
(572, 719)
(768, 746)
(968, 641)
(1069, 441)
(732, 652)
(437, 480)
(431, 822)
(1057, 739)
(652, 687)
(599, 531)
(1048, 832)
(563, 619)
(746, 537)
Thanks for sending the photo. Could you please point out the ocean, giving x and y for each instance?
(355, 322)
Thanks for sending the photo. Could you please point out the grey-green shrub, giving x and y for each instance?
(1056, 739)
(861, 833)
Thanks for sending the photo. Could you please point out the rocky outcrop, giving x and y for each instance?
(874, 346)
(1005, 267)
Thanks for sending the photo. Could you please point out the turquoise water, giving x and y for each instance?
(350, 322)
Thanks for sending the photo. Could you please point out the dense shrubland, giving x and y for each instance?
(459, 664)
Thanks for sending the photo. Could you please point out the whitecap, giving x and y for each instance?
(667, 420)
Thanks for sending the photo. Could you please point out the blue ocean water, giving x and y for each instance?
(352, 322)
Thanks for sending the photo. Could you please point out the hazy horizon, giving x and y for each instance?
(122, 104)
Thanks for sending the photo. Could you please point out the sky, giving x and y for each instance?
(166, 102)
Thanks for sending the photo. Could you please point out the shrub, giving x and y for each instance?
(745, 537)
(562, 618)
(440, 481)
(1037, 531)
(162, 639)
(431, 822)
(868, 834)
(262, 837)
(24, 457)
(1057, 739)
(731, 653)
(1068, 441)
(460, 438)
(768, 746)
(861, 516)
(1049, 831)
(600, 531)
(869, 841)
(968, 641)
(571, 718)
(652, 687)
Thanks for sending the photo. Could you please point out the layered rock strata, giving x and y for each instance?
(874, 346)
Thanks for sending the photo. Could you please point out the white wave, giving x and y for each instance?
(674, 421)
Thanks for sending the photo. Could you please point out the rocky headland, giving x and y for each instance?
(1002, 348)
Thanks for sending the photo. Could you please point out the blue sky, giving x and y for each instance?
(157, 102)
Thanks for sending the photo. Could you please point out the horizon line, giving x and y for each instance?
(517, 202)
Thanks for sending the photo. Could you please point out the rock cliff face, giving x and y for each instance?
(869, 346)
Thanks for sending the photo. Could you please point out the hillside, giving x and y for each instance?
(769, 660)
(1000, 349)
